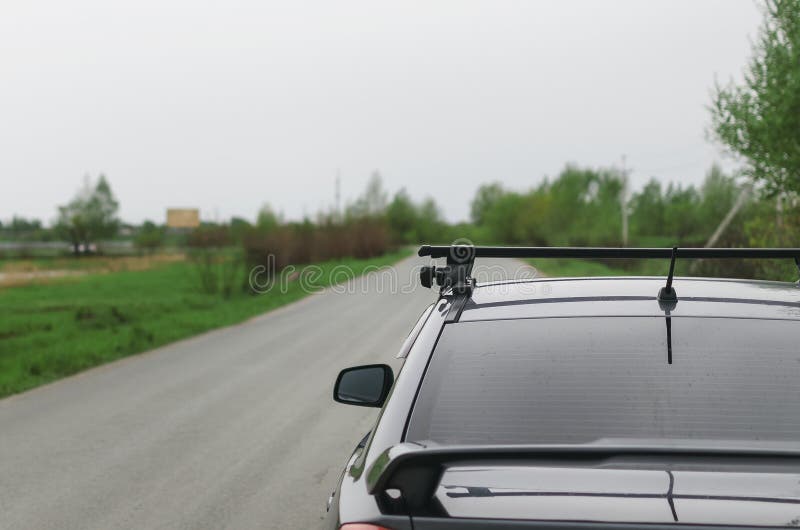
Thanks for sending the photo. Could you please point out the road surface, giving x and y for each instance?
(234, 428)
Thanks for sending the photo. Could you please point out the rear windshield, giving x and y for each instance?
(579, 380)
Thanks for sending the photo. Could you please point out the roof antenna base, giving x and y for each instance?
(667, 294)
(667, 298)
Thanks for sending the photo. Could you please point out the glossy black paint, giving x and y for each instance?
(388, 471)
(364, 386)
(602, 484)
(354, 503)
(564, 298)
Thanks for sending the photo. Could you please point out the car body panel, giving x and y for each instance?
(360, 506)
(616, 494)
(569, 298)
(550, 298)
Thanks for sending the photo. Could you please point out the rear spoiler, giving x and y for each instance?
(415, 469)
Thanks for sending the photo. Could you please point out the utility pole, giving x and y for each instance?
(623, 199)
(740, 201)
(338, 214)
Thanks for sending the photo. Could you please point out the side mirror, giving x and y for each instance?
(365, 386)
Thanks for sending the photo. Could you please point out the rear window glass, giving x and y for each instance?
(580, 380)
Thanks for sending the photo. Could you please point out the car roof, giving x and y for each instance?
(631, 296)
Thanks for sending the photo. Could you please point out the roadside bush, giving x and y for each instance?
(209, 236)
(149, 238)
(304, 243)
(218, 265)
(775, 226)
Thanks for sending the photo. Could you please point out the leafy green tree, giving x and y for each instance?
(533, 218)
(718, 194)
(102, 211)
(430, 224)
(90, 217)
(761, 228)
(239, 227)
(149, 237)
(485, 199)
(373, 201)
(22, 229)
(20, 225)
(401, 214)
(585, 207)
(502, 219)
(760, 119)
(570, 193)
(648, 211)
(415, 223)
(267, 219)
(682, 216)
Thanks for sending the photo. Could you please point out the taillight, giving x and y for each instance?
(362, 526)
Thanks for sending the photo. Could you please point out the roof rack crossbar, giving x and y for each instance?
(456, 276)
(444, 251)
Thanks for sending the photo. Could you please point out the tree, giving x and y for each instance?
(647, 211)
(718, 195)
(430, 224)
(149, 237)
(102, 211)
(239, 227)
(485, 199)
(373, 201)
(267, 218)
(401, 214)
(760, 119)
(682, 216)
(20, 225)
(584, 207)
(90, 216)
(21, 229)
(501, 219)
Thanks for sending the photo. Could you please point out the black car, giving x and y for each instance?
(583, 403)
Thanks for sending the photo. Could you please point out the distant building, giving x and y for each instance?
(183, 217)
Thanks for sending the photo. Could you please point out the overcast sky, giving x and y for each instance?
(228, 105)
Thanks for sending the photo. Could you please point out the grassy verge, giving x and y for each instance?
(780, 271)
(51, 330)
(89, 263)
(564, 268)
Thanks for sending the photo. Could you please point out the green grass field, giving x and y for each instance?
(575, 268)
(564, 268)
(61, 327)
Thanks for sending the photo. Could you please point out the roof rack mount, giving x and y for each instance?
(460, 258)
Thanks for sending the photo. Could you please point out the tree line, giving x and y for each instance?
(758, 121)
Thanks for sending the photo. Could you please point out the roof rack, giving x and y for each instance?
(460, 259)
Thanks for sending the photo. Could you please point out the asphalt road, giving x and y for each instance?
(234, 428)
